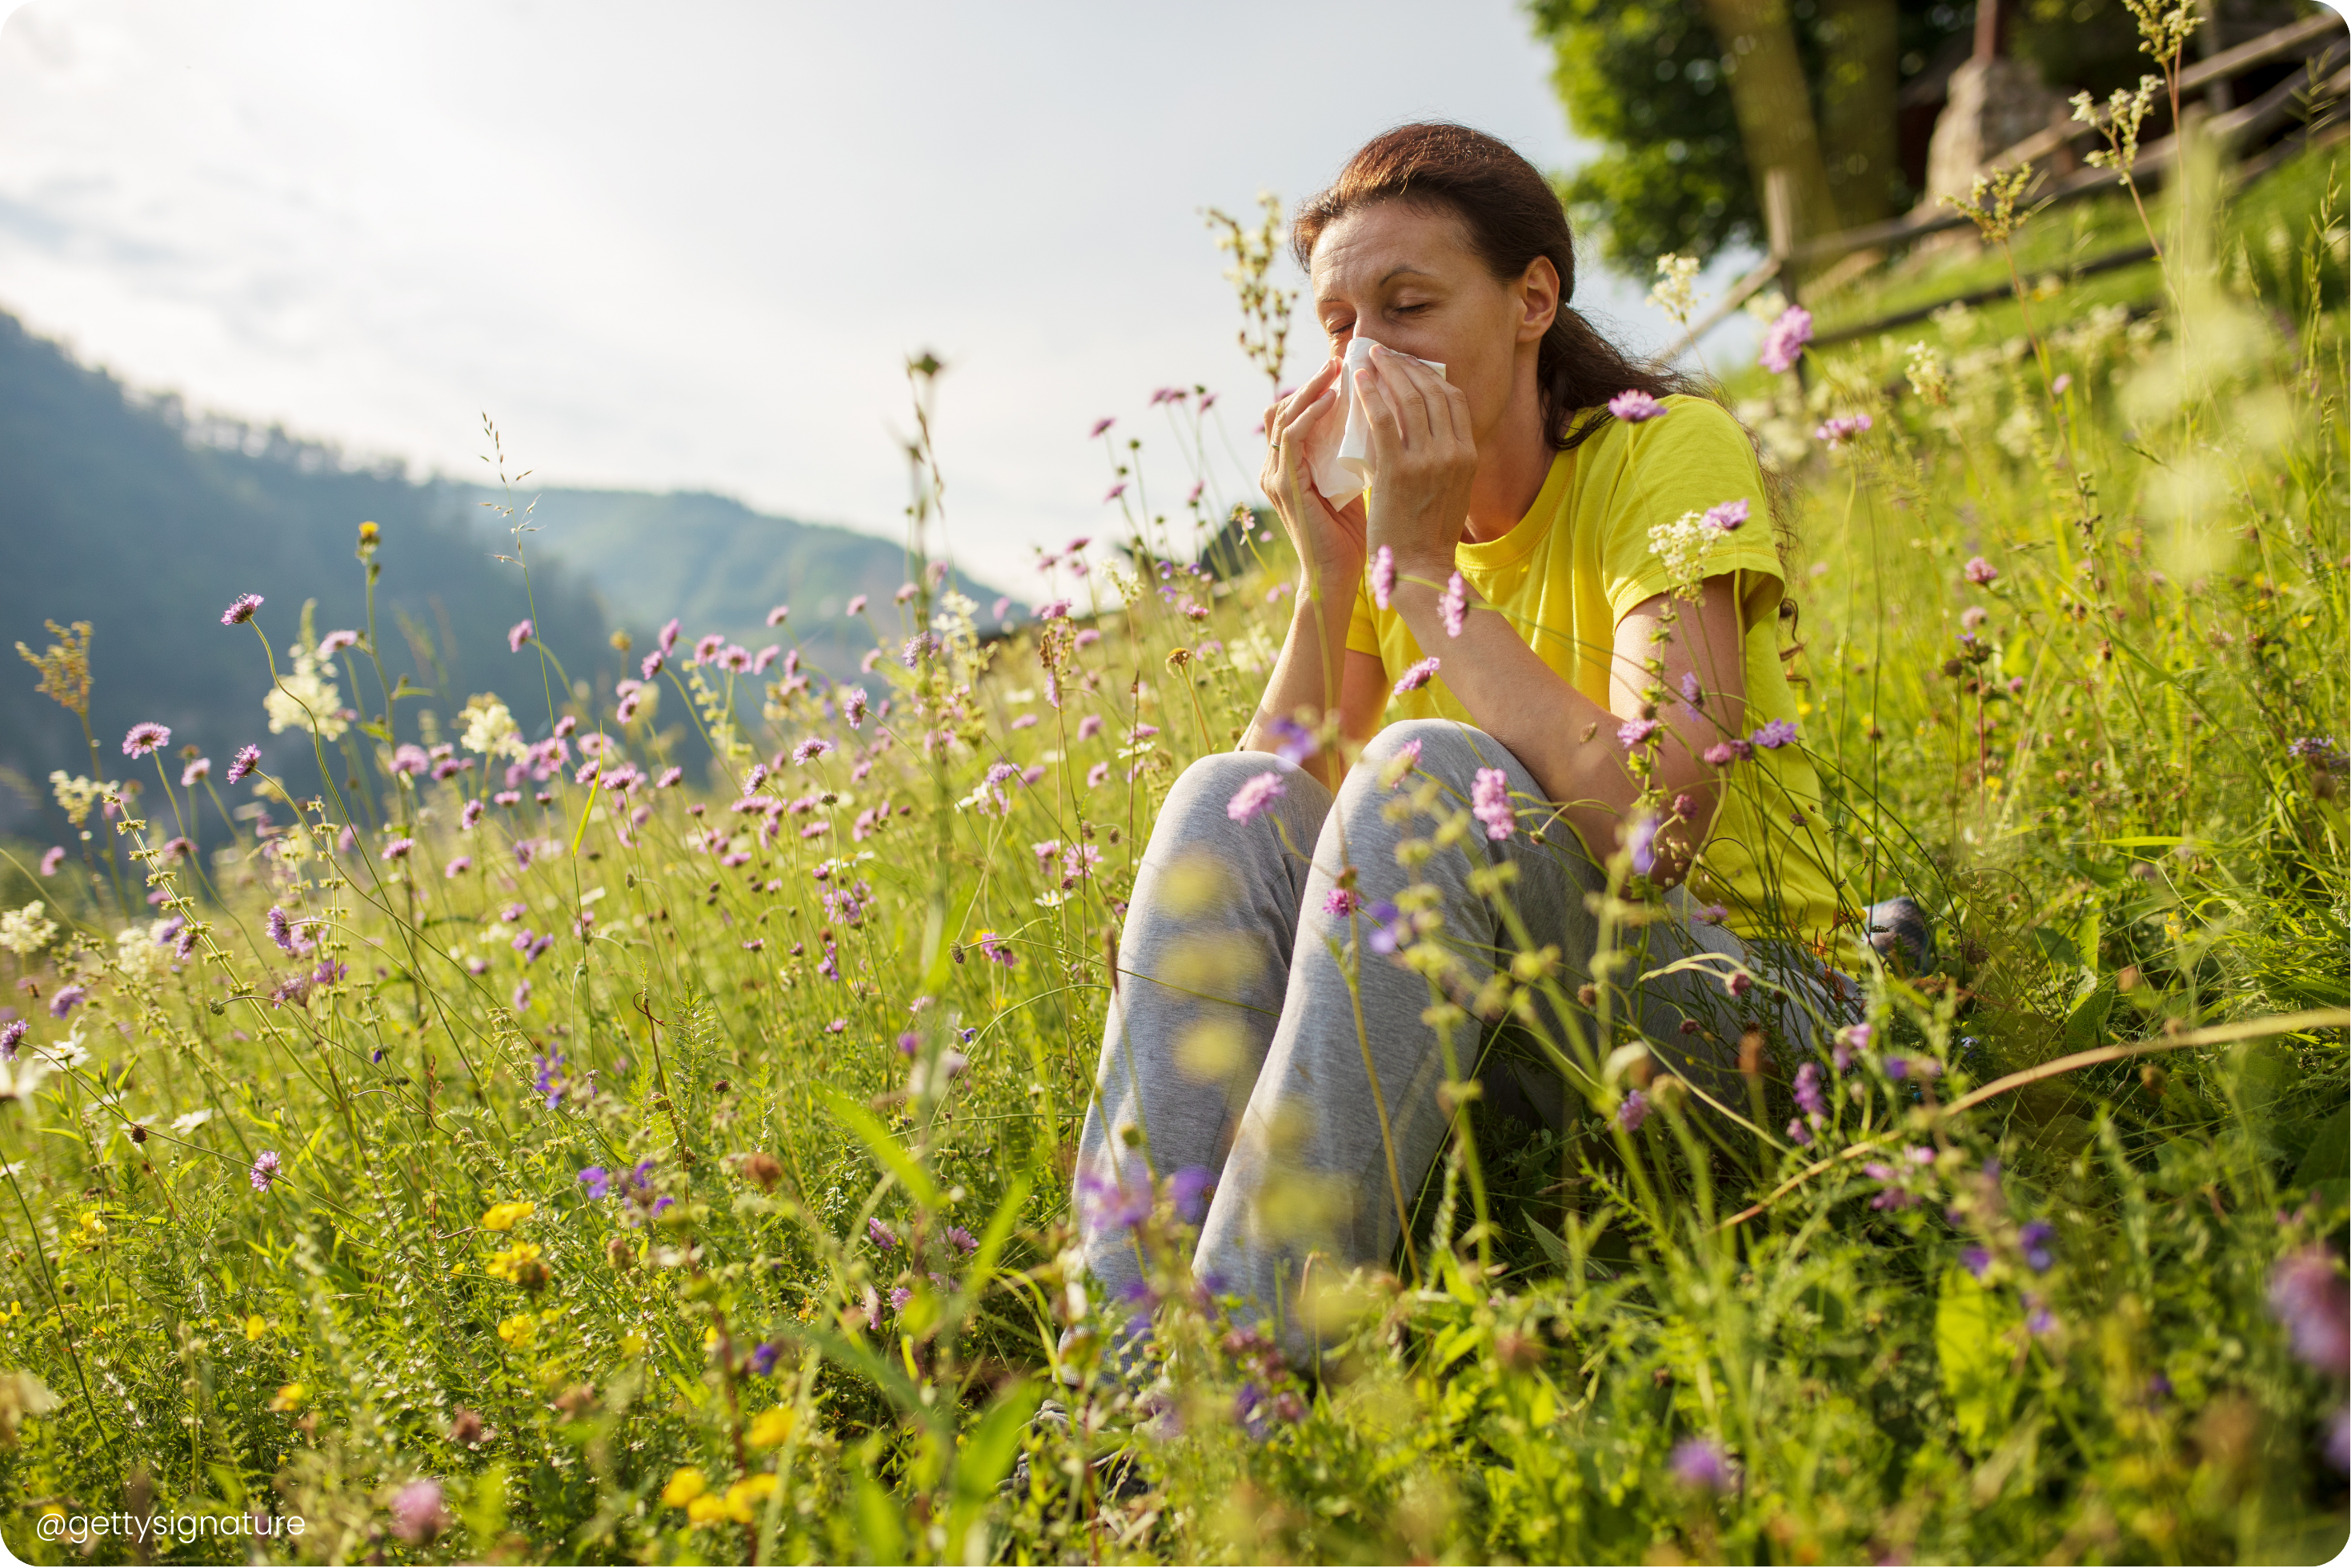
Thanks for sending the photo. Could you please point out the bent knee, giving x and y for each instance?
(1202, 795)
(1444, 748)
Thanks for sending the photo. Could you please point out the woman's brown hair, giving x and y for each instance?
(1513, 216)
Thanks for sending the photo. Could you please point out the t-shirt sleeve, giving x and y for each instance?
(1694, 458)
(1362, 636)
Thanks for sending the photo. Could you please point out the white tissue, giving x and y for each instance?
(1338, 458)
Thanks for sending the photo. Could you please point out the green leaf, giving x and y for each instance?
(987, 1453)
(2087, 1024)
(875, 1136)
(2327, 1163)
(1554, 1248)
(1972, 1350)
(370, 727)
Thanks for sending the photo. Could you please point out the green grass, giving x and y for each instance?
(2057, 1335)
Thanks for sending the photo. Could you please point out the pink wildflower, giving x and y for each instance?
(240, 609)
(1253, 798)
(519, 634)
(1489, 797)
(1453, 605)
(1418, 676)
(1785, 338)
(1383, 576)
(1634, 407)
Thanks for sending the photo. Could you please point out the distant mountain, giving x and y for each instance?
(720, 567)
(129, 514)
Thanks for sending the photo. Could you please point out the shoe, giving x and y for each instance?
(1118, 1474)
(1898, 927)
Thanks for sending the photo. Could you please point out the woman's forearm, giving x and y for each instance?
(1307, 673)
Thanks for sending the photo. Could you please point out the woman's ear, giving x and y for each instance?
(1538, 298)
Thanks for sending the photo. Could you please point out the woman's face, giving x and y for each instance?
(1405, 276)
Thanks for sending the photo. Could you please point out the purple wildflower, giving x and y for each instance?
(598, 1181)
(1342, 902)
(2321, 753)
(1188, 1189)
(1641, 842)
(1850, 1042)
(67, 998)
(398, 848)
(2035, 1238)
(519, 634)
(1701, 1463)
(1980, 572)
(853, 706)
(881, 1235)
(145, 738)
(1634, 732)
(551, 1077)
(240, 609)
(247, 758)
(961, 1241)
(521, 997)
(2308, 1295)
(1634, 407)
(13, 1036)
(1692, 692)
(1255, 797)
(265, 1167)
(1808, 1090)
(1777, 734)
(1418, 676)
(1631, 1111)
(1109, 1205)
(1842, 429)
(417, 1514)
(1727, 518)
(1976, 1261)
(1453, 605)
(1298, 741)
(52, 859)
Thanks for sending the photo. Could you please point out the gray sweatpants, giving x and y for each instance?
(1249, 1046)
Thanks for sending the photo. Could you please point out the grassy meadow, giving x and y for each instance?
(545, 1147)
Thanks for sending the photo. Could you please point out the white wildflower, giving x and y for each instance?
(141, 952)
(1672, 292)
(192, 1120)
(490, 729)
(305, 699)
(77, 795)
(27, 930)
(1926, 377)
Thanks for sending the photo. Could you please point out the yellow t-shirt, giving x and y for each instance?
(1571, 568)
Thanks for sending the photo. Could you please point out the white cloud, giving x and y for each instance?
(690, 245)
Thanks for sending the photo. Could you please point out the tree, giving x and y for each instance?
(1692, 99)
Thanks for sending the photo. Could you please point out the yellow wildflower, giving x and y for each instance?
(771, 1427)
(743, 1497)
(256, 1326)
(511, 1265)
(506, 1216)
(706, 1508)
(683, 1487)
(289, 1398)
(518, 1330)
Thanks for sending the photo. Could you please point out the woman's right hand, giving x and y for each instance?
(1329, 540)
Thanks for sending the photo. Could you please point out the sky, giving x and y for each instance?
(691, 246)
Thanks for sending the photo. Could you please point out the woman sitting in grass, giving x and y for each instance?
(1549, 616)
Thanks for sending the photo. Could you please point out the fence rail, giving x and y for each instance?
(2318, 40)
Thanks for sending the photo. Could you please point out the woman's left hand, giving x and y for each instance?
(1422, 461)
